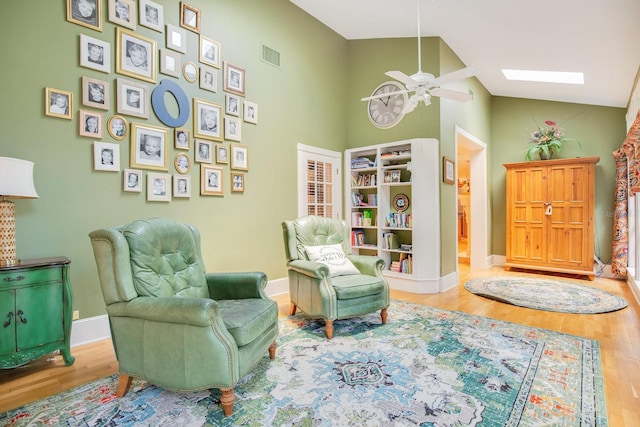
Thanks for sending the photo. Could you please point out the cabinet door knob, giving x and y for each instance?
(13, 279)
(20, 314)
(8, 321)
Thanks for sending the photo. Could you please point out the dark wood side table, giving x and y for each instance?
(35, 311)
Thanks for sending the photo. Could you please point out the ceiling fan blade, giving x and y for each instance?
(460, 74)
(383, 95)
(410, 105)
(402, 77)
(452, 94)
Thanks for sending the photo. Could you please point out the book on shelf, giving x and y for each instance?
(390, 241)
(364, 179)
(357, 238)
(356, 219)
(372, 199)
(362, 162)
(398, 220)
(367, 219)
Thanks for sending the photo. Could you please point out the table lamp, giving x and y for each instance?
(16, 182)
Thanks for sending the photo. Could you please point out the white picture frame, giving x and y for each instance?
(170, 63)
(250, 112)
(158, 187)
(123, 12)
(132, 180)
(209, 79)
(95, 93)
(106, 156)
(232, 128)
(132, 98)
(209, 51)
(95, 54)
(232, 105)
(176, 38)
(181, 186)
(151, 15)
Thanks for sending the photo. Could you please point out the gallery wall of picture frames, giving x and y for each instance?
(146, 68)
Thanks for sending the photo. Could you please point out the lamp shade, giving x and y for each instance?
(16, 179)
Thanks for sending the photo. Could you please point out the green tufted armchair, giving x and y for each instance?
(320, 292)
(172, 324)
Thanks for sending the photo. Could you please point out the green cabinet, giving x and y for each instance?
(35, 311)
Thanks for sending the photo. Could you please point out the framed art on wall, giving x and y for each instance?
(106, 156)
(132, 180)
(222, 153)
(239, 157)
(135, 55)
(250, 112)
(123, 12)
(209, 79)
(182, 139)
(190, 72)
(232, 128)
(209, 52)
(237, 182)
(158, 187)
(58, 103)
(233, 79)
(232, 105)
(87, 13)
(176, 38)
(181, 186)
(118, 127)
(132, 98)
(448, 170)
(203, 151)
(170, 63)
(207, 120)
(151, 15)
(189, 17)
(211, 181)
(149, 147)
(182, 163)
(95, 54)
(90, 124)
(95, 93)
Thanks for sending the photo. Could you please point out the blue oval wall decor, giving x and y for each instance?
(159, 107)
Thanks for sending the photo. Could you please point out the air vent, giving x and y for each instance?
(271, 56)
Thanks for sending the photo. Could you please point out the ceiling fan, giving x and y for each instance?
(425, 85)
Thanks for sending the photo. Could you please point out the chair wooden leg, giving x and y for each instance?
(383, 316)
(226, 401)
(328, 328)
(293, 309)
(272, 350)
(123, 385)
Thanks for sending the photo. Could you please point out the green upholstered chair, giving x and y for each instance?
(319, 289)
(172, 324)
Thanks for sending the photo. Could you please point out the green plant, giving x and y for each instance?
(546, 140)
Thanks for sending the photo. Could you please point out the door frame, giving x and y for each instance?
(309, 152)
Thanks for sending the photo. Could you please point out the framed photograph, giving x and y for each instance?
(90, 124)
(207, 120)
(58, 103)
(176, 38)
(233, 79)
(95, 54)
(190, 72)
(182, 139)
(392, 176)
(132, 98)
(151, 15)
(209, 51)
(211, 178)
(237, 182)
(182, 163)
(149, 147)
(106, 156)
(203, 151)
(448, 170)
(132, 180)
(222, 153)
(209, 79)
(232, 105)
(181, 186)
(135, 55)
(118, 127)
(189, 17)
(250, 112)
(87, 13)
(170, 63)
(232, 128)
(158, 187)
(239, 157)
(123, 12)
(95, 93)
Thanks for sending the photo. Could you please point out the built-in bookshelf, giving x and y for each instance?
(392, 207)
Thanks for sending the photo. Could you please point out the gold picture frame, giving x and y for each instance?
(448, 170)
(233, 80)
(237, 182)
(135, 55)
(90, 124)
(207, 120)
(149, 147)
(58, 103)
(211, 181)
(239, 157)
(118, 127)
(189, 17)
(87, 13)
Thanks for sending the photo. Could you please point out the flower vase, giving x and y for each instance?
(544, 156)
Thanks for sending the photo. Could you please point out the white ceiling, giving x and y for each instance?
(598, 37)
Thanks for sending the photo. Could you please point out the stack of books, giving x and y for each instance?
(362, 162)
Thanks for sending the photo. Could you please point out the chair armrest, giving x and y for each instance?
(190, 311)
(368, 264)
(239, 285)
(316, 270)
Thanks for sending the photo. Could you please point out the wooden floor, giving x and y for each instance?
(618, 333)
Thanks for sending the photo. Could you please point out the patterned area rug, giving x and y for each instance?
(546, 294)
(426, 367)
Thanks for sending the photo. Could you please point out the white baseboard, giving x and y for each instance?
(633, 284)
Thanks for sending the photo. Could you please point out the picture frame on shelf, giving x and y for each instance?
(222, 154)
(232, 105)
(207, 120)
(232, 128)
(90, 124)
(176, 38)
(151, 15)
(132, 98)
(106, 156)
(189, 17)
(391, 176)
(211, 181)
(190, 71)
(135, 55)
(182, 139)
(209, 51)
(95, 93)
(250, 110)
(203, 151)
(448, 170)
(58, 103)
(209, 79)
(118, 127)
(123, 12)
(239, 157)
(182, 163)
(95, 54)
(233, 79)
(181, 186)
(87, 14)
(170, 63)
(149, 147)
(237, 182)
(132, 180)
(158, 187)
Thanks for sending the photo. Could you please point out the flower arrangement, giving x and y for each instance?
(546, 140)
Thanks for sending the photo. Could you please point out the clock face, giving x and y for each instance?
(387, 111)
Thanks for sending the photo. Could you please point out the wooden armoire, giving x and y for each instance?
(550, 215)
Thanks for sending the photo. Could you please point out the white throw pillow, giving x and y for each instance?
(333, 257)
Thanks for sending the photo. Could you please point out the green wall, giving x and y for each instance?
(303, 101)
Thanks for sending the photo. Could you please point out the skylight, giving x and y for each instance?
(545, 76)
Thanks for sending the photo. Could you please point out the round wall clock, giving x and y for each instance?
(386, 111)
(401, 202)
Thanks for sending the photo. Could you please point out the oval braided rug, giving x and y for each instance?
(546, 294)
